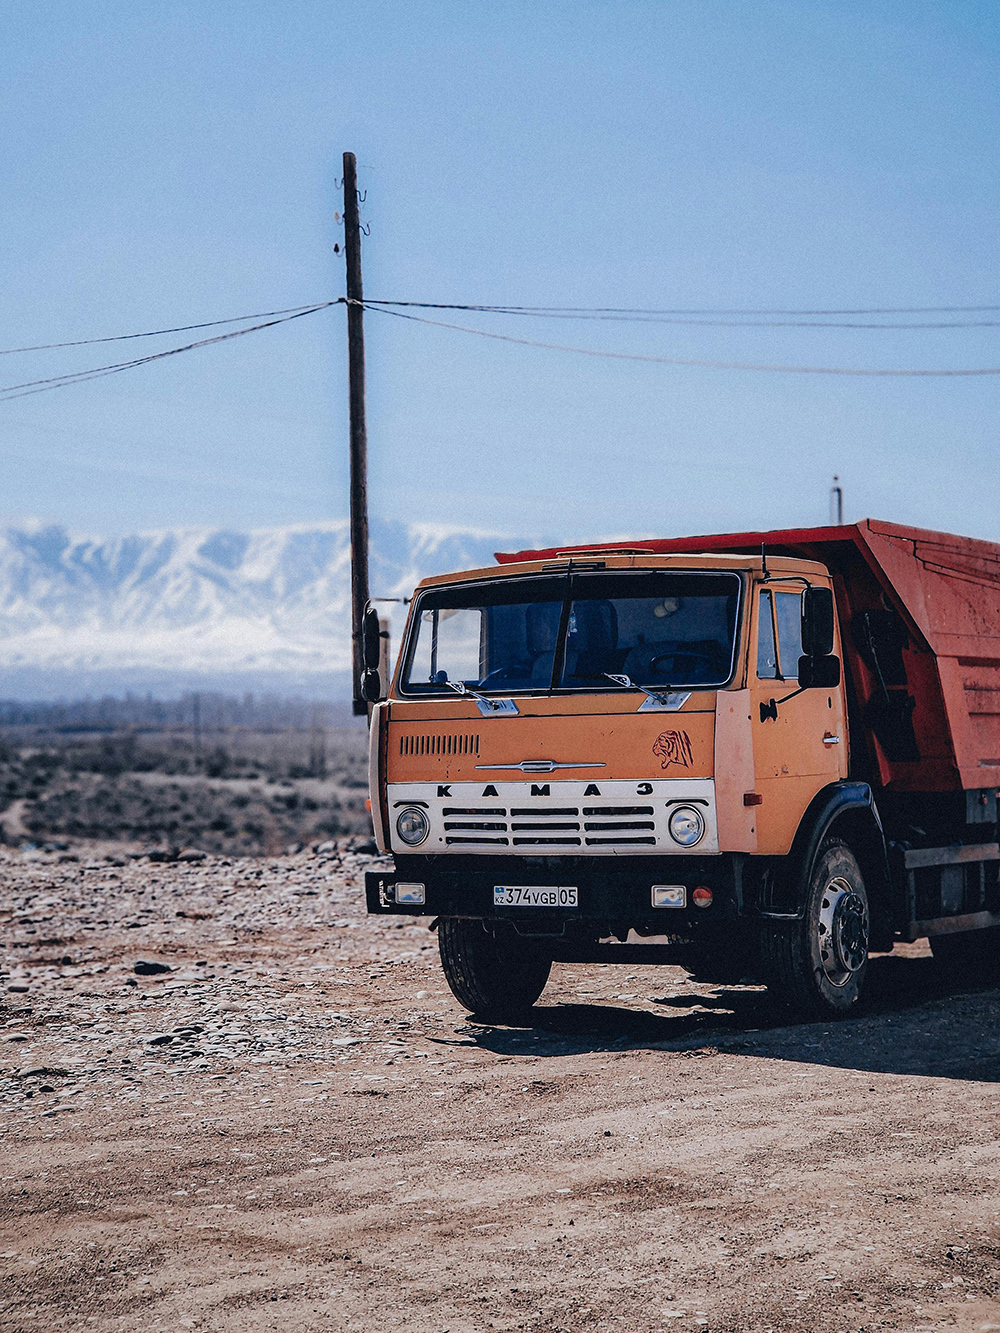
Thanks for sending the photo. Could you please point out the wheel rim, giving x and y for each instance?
(843, 932)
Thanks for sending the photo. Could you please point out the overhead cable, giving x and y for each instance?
(156, 333)
(797, 319)
(684, 361)
(97, 372)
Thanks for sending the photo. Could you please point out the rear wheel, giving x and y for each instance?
(496, 975)
(816, 966)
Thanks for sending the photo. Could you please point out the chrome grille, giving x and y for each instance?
(558, 826)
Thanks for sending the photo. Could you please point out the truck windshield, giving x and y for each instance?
(659, 628)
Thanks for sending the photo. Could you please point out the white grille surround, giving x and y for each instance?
(542, 817)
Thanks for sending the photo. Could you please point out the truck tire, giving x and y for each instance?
(816, 966)
(499, 975)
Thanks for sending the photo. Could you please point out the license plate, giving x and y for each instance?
(534, 895)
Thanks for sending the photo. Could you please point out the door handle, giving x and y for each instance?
(829, 739)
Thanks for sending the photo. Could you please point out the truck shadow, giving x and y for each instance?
(916, 1020)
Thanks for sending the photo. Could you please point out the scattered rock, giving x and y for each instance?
(18, 988)
(190, 854)
(145, 968)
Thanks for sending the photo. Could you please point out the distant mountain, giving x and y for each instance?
(186, 608)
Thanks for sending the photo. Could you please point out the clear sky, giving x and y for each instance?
(175, 161)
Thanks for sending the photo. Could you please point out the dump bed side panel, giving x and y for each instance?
(950, 588)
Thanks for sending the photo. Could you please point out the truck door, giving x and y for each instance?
(805, 747)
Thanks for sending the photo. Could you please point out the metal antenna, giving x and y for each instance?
(837, 502)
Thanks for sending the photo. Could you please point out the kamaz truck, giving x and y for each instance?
(761, 754)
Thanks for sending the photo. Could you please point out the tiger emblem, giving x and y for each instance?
(673, 747)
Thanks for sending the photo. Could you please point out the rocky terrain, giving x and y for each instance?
(232, 1101)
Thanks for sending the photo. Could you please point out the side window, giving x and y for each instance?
(789, 609)
(767, 656)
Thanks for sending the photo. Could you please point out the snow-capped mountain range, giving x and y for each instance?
(200, 607)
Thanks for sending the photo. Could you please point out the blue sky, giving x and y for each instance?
(174, 162)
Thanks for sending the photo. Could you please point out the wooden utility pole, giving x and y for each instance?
(359, 433)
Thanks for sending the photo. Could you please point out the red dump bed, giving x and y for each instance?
(920, 618)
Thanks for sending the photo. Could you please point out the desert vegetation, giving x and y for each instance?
(233, 776)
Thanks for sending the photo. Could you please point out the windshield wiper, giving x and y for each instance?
(486, 706)
(671, 699)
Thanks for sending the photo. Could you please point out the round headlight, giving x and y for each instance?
(412, 826)
(687, 826)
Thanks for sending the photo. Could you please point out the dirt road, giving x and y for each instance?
(296, 1128)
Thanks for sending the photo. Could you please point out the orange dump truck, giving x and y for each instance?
(772, 752)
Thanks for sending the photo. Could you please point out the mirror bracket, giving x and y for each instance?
(371, 686)
(815, 673)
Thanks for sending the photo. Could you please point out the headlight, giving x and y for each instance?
(687, 826)
(412, 826)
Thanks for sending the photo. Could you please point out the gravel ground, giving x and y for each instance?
(297, 1128)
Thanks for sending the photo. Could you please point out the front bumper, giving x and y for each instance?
(608, 893)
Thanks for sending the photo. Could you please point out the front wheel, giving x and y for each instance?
(496, 975)
(816, 966)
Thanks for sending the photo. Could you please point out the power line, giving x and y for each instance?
(397, 308)
(614, 313)
(30, 387)
(156, 333)
(796, 319)
(684, 361)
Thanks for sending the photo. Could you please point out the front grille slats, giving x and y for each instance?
(546, 842)
(598, 825)
(621, 810)
(499, 828)
(465, 841)
(619, 842)
(545, 810)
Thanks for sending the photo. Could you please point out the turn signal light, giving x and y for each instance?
(702, 896)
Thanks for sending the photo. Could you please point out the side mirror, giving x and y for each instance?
(371, 686)
(819, 673)
(371, 645)
(817, 623)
